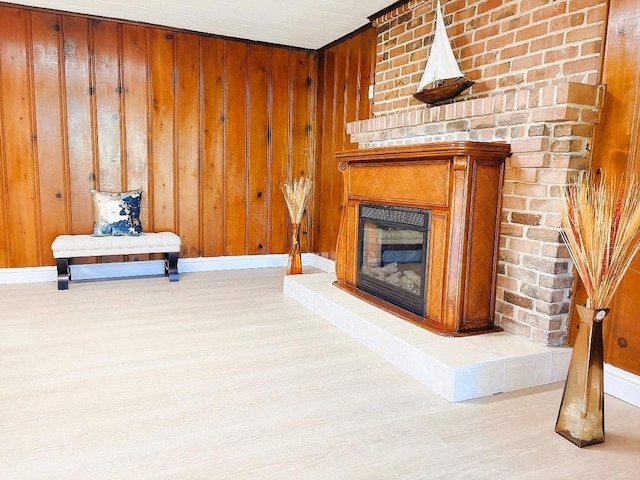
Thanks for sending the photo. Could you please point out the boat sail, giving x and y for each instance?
(442, 78)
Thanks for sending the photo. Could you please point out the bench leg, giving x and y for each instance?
(171, 266)
(62, 265)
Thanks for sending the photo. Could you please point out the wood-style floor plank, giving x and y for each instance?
(222, 376)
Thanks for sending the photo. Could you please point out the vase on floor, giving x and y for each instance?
(295, 255)
(581, 416)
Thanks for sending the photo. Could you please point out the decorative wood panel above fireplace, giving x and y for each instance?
(459, 184)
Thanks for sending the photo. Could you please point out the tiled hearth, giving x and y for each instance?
(458, 369)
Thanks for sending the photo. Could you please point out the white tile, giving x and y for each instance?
(477, 381)
(457, 368)
(560, 358)
(527, 371)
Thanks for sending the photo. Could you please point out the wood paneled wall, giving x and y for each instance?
(345, 72)
(207, 127)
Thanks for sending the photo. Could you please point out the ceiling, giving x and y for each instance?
(308, 24)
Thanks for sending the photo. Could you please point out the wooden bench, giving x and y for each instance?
(67, 247)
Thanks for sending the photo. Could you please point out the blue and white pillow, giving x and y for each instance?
(116, 213)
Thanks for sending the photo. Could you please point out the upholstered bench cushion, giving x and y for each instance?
(70, 246)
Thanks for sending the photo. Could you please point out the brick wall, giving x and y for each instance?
(536, 66)
(501, 45)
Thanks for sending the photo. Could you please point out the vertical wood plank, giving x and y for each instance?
(213, 199)
(161, 162)
(368, 40)
(79, 126)
(259, 69)
(106, 96)
(352, 85)
(50, 128)
(280, 151)
(187, 137)
(134, 95)
(124, 121)
(347, 72)
(236, 145)
(302, 131)
(326, 167)
(19, 162)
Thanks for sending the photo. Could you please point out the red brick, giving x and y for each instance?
(504, 308)
(560, 54)
(589, 115)
(498, 43)
(526, 5)
(547, 42)
(554, 10)
(545, 73)
(528, 190)
(515, 51)
(529, 144)
(576, 35)
(546, 204)
(411, 46)
(511, 230)
(503, 13)
(405, 37)
(526, 62)
(553, 176)
(544, 235)
(514, 203)
(519, 300)
(486, 32)
(575, 5)
(581, 66)
(496, 69)
(506, 282)
(555, 113)
(464, 14)
(591, 48)
(487, 5)
(530, 219)
(532, 32)
(530, 160)
(515, 23)
(513, 118)
(520, 273)
(596, 15)
(567, 21)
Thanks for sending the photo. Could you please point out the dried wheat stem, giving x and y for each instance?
(601, 228)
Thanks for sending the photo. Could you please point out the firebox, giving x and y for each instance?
(392, 248)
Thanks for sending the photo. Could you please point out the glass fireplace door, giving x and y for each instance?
(393, 255)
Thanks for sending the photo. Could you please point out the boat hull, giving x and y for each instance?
(443, 90)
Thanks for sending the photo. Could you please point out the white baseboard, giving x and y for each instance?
(27, 275)
(622, 384)
(156, 267)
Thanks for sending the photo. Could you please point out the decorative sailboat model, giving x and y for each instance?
(442, 78)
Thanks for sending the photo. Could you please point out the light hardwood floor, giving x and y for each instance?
(221, 376)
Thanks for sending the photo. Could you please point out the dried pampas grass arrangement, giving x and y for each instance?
(296, 194)
(601, 228)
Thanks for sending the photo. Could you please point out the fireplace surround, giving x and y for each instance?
(460, 184)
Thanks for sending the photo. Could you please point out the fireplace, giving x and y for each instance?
(392, 255)
(419, 231)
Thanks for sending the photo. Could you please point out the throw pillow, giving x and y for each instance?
(116, 213)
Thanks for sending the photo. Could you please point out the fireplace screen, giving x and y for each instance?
(393, 254)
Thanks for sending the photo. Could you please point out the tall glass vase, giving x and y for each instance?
(295, 255)
(581, 415)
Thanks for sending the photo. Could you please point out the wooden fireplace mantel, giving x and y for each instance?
(461, 184)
